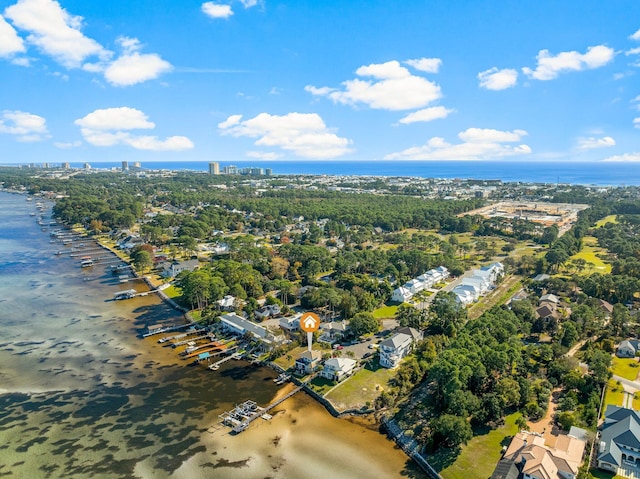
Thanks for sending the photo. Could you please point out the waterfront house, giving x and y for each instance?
(628, 348)
(618, 444)
(528, 457)
(239, 326)
(228, 303)
(393, 349)
(174, 268)
(336, 369)
(308, 362)
(291, 323)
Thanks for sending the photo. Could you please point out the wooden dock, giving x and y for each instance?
(240, 417)
(215, 366)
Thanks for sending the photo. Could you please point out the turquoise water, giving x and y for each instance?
(82, 395)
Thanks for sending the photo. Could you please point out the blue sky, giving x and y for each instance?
(310, 80)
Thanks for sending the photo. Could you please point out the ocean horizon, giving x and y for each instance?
(567, 172)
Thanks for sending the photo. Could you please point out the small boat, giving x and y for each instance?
(87, 263)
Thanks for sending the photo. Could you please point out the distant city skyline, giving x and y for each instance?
(251, 80)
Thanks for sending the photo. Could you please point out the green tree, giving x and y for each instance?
(451, 431)
(364, 323)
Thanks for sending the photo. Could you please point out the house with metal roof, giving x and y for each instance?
(619, 442)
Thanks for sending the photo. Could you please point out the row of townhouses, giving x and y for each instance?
(479, 284)
(423, 282)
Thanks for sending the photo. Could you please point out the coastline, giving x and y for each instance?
(102, 390)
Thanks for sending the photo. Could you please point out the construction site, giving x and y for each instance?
(563, 215)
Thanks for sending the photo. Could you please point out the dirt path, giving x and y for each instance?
(545, 426)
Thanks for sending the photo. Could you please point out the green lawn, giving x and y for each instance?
(321, 385)
(636, 402)
(598, 474)
(605, 220)
(627, 368)
(589, 253)
(364, 386)
(479, 456)
(385, 312)
(172, 292)
(614, 395)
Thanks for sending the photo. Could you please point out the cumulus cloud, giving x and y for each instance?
(392, 87)
(427, 114)
(216, 10)
(624, 157)
(635, 36)
(249, 3)
(10, 42)
(550, 66)
(27, 127)
(477, 144)
(302, 134)
(57, 33)
(636, 122)
(495, 79)
(110, 127)
(54, 31)
(427, 65)
(592, 143)
(134, 67)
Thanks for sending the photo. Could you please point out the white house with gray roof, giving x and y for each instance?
(618, 444)
(393, 349)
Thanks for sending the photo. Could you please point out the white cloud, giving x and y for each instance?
(27, 127)
(54, 31)
(593, 143)
(109, 127)
(216, 10)
(303, 134)
(549, 66)
(633, 51)
(478, 144)
(427, 65)
(635, 36)
(624, 157)
(133, 67)
(494, 79)
(10, 42)
(249, 3)
(121, 118)
(427, 114)
(67, 145)
(636, 122)
(393, 88)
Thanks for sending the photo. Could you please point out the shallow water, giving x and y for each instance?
(82, 395)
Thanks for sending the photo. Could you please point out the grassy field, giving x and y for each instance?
(589, 253)
(288, 360)
(627, 368)
(614, 395)
(172, 292)
(479, 456)
(321, 385)
(605, 220)
(364, 386)
(385, 312)
(510, 286)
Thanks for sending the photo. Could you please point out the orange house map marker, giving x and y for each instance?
(309, 322)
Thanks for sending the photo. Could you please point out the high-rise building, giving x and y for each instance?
(66, 166)
(137, 164)
(125, 166)
(87, 166)
(214, 168)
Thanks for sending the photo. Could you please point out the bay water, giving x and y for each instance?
(82, 395)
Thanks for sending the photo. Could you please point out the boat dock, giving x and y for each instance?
(160, 328)
(241, 416)
(215, 366)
